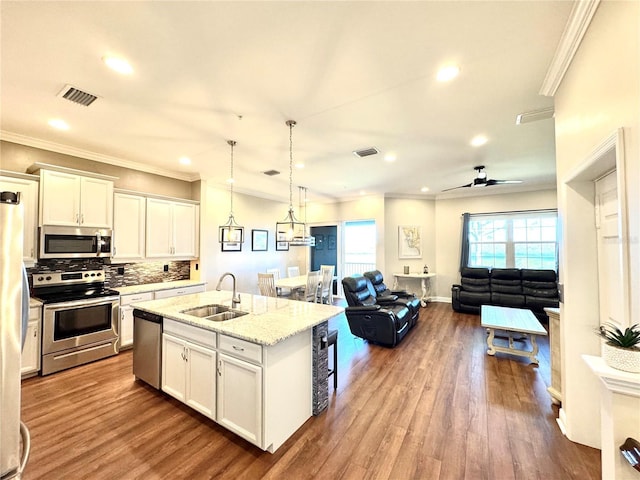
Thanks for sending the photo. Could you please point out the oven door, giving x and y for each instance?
(78, 323)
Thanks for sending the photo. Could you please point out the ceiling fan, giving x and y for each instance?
(481, 180)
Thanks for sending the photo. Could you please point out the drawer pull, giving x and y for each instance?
(238, 349)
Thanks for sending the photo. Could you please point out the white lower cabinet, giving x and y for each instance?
(240, 397)
(261, 393)
(126, 316)
(189, 366)
(31, 351)
(178, 291)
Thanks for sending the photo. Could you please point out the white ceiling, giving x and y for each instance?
(352, 74)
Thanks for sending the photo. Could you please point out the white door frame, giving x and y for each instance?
(579, 307)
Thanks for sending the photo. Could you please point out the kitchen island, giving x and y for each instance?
(260, 375)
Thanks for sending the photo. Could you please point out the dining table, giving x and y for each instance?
(293, 283)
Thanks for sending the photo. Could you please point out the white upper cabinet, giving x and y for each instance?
(172, 229)
(29, 198)
(74, 200)
(129, 220)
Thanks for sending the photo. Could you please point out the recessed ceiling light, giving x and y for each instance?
(362, 192)
(479, 140)
(59, 124)
(424, 189)
(230, 180)
(390, 157)
(185, 160)
(299, 165)
(118, 64)
(448, 73)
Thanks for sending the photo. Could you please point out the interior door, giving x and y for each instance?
(610, 258)
(326, 250)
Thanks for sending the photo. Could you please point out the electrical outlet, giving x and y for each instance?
(166, 268)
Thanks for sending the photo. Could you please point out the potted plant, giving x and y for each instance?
(621, 349)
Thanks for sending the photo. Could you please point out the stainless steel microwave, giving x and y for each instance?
(74, 242)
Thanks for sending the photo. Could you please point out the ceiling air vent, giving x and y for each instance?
(271, 173)
(534, 115)
(365, 152)
(77, 96)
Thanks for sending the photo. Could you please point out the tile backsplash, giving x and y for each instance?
(141, 273)
(132, 273)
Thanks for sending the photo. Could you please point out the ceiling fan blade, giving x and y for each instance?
(502, 182)
(453, 188)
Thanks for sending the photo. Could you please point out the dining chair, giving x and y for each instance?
(326, 295)
(275, 271)
(312, 290)
(280, 292)
(266, 284)
(293, 271)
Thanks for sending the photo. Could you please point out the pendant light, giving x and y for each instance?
(291, 229)
(231, 232)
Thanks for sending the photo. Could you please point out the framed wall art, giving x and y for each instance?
(281, 243)
(409, 241)
(231, 247)
(259, 239)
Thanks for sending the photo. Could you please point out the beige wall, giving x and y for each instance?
(417, 212)
(18, 158)
(448, 227)
(599, 94)
(252, 213)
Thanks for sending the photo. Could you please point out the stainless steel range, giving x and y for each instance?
(79, 318)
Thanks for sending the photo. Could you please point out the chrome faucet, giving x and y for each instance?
(235, 299)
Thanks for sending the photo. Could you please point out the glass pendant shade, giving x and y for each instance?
(231, 232)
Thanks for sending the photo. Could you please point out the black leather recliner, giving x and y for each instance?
(402, 296)
(382, 324)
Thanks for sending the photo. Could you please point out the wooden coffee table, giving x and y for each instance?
(511, 320)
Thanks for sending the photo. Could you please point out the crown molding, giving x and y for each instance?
(574, 31)
(89, 155)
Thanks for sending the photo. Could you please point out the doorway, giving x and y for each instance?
(326, 250)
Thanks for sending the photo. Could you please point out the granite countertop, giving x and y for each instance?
(153, 287)
(34, 302)
(270, 320)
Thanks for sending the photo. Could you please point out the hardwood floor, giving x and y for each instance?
(435, 407)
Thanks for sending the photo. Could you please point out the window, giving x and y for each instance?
(359, 247)
(513, 240)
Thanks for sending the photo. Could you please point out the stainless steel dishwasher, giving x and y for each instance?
(147, 347)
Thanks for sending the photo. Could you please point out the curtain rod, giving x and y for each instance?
(511, 212)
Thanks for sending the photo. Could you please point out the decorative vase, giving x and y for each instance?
(625, 359)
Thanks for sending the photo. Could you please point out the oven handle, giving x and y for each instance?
(81, 303)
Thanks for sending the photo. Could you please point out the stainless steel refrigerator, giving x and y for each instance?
(14, 313)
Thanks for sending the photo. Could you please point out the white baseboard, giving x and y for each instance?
(440, 299)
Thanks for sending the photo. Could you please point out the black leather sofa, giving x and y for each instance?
(385, 324)
(506, 287)
(401, 296)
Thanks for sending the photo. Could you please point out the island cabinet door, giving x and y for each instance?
(240, 397)
(201, 380)
(174, 371)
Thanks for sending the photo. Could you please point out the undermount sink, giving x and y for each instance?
(228, 315)
(216, 313)
(205, 311)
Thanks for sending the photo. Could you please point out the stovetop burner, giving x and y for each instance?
(57, 287)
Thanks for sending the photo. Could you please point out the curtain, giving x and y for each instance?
(464, 247)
